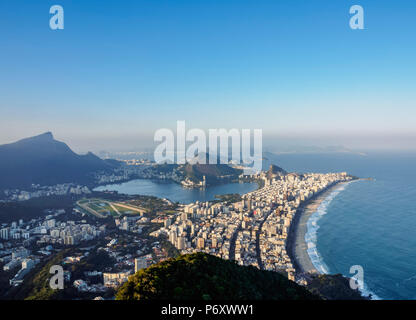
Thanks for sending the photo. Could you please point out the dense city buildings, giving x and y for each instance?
(252, 231)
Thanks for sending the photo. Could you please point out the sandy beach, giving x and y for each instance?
(297, 247)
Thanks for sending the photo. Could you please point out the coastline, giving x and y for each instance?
(297, 247)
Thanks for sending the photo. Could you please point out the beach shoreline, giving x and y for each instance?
(297, 247)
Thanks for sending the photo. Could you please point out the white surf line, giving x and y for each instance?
(311, 237)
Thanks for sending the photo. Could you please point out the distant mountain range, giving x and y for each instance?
(46, 161)
(43, 160)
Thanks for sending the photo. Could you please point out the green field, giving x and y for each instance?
(103, 208)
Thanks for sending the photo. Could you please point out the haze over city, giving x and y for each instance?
(116, 74)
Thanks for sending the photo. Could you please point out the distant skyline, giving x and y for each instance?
(120, 70)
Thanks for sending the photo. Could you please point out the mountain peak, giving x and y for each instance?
(43, 160)
(44, 136)
(47, 136)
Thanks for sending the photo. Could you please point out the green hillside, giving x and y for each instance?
(201, 276)
(212, 172)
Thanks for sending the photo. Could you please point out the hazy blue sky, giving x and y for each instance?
(122, 69)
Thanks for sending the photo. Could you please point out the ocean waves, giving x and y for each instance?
(312, 229)
(311, 236)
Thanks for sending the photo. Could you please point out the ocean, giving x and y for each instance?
(371, 223)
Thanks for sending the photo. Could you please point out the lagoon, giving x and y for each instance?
(176, 192)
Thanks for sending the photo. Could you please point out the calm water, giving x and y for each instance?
(175, 192)
(368, 223)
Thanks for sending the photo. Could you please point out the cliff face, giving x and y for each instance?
(46, 161)
(203, 277)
